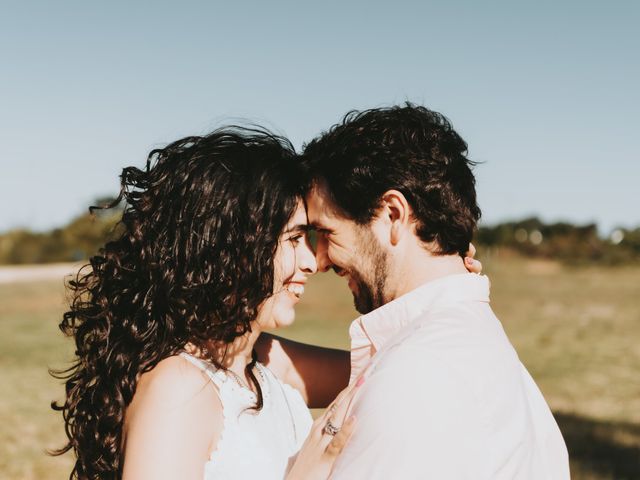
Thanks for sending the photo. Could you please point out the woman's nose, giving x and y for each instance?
(307, 261)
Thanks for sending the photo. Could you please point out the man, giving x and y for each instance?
(392, 197)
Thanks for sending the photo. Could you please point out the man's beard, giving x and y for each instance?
(369, 285)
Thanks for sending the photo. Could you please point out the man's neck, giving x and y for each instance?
(420, 267)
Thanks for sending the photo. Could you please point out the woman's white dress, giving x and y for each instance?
(255, 444)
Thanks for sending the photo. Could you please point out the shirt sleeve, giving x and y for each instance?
(416, 418)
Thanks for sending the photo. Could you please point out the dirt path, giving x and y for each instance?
(30, 273)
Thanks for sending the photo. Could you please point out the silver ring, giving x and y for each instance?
(330, 428)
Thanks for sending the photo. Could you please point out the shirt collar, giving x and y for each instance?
(371, 331)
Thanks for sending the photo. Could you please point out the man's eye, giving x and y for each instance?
(312, 236)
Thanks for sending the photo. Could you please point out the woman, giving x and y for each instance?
(212, 249)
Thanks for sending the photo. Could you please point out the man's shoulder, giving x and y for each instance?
(462, 344)
(459, 328)
(416, 391)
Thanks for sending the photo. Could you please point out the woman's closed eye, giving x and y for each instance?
(295, 239)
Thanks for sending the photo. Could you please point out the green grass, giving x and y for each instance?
(576, 330)
(29, 343)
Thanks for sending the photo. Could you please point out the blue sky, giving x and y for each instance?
(545, 93)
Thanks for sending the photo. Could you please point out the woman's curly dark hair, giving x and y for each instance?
(193, 262)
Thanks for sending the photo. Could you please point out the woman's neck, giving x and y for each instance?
(234, 356)
(239, 353)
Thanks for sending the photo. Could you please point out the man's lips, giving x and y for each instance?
(341, 272)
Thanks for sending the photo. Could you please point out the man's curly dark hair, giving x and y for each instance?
(407, 148)
(192, 263)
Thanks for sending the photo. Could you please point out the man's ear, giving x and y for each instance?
(398, 212)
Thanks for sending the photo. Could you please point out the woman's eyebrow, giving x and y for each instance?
(299, 228)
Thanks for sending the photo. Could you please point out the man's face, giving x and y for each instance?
(351, 250)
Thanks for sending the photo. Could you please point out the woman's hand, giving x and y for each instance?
(323, 445)
(473, 265)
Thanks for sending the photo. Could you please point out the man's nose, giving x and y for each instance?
(322, 255)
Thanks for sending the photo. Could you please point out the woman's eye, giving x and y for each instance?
(296, 239)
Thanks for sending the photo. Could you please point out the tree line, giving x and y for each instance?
(571, 244)
(76, 241)
(531, 237)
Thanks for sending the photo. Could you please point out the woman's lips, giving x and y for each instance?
(295, 288)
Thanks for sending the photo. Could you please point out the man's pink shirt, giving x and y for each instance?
(445, 395)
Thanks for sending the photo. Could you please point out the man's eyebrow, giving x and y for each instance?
(299, 228)
(319, 228)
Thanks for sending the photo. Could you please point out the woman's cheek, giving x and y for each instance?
(288, 262)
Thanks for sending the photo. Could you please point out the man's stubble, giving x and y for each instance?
(369, 277)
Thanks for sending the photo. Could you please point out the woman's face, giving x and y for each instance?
(293, 263)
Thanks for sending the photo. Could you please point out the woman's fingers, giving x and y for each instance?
(344, 396)
(341, 438)
(472, 251)
(337, 412)
(471, 264)
(327, 439)
(342, 407)
(474, 266)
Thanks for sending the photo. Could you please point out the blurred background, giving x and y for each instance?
(545, 94)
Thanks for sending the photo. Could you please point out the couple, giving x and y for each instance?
(174, 378)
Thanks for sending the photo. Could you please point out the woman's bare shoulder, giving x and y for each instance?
(175, 378)
(173, 422)
(175, 387)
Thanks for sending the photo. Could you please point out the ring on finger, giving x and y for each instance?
(330, 428)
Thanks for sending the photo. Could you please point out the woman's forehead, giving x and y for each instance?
(299, 216)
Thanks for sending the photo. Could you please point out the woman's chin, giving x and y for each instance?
(283, 320)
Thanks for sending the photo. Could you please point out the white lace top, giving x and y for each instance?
(255, 444)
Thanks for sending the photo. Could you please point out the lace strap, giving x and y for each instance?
(217, 377)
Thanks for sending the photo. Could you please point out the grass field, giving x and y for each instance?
(577, 331)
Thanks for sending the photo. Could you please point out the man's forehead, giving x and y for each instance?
(320, 207)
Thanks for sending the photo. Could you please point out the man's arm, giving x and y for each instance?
(319, 373)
